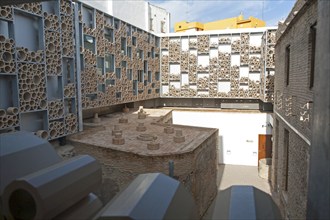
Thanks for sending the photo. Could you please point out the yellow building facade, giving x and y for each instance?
(229, 23)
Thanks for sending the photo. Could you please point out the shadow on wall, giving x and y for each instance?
(269, 124)
(220, 150)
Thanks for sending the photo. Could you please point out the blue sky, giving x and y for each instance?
(270, 11)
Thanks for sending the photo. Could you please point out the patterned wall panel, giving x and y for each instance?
(226, 65)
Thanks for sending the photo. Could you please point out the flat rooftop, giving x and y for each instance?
(100, 134)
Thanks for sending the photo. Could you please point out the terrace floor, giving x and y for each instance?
(229, 175)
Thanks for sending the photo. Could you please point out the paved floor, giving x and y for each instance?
(229, 175)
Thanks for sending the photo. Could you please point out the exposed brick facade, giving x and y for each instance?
(195, 160)
(293, 108)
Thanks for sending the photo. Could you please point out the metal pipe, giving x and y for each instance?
(42, 134)
(12, 111)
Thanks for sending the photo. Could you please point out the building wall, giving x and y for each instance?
(196, 169)
(48, 84)
(219, 64)
(319, 173)
(237, 22)
(229, 23)
(293, 108)
(238, 132)
(132, 73)
(95, 69)
(105, 6)
(134, 12)
(158, 20)
(38, 72)
(292, 202)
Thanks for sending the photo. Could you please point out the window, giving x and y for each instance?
(134, 41)
(109, 63)
(123, 46)
(108, 20)
(135, 87)
(287, 64)
(145, 66)
(89, 43)
(312, 56)
(110, 82)
(152, 52)
(162, 26)
(108, 34)
(129, 74)
(117, 24)
(128, 30)
(157, 76)
(157, 42)
(140, 76)
(88, 16)
(101, 88)
(118, 95)
(100, 65)
(129, 52)
(151, 24)
(286, 160)
(123, 64)
(118, 73)
(140, 54)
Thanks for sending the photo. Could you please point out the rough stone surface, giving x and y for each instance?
(153, 146)
(169, 130)
(194, 160)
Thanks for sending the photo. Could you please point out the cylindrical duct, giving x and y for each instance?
(50, 191)
(2, 38)
(12, 111)
(42, 134)
(2, 113)
(6, 56)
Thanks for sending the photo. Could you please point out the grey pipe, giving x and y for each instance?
(48, 192)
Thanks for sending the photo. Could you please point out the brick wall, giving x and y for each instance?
(196, 169)
(292, 202)
(293, 109)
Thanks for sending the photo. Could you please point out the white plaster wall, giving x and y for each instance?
(255, 39)
(131, 11)
(185, 44)
(135, 12)
(175, 69)
(184, 79)
(238, 132)
(104, 6)
(224, 86)
(244, 71)
(235, 60)
(165, 89)
(254, 76)
(203, 60)
(213, 53)
(158, 15)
